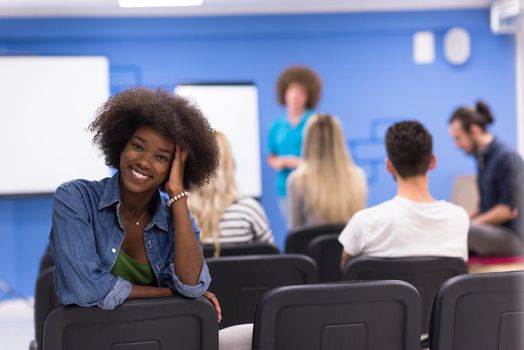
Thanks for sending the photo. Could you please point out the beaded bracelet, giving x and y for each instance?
(177, 197)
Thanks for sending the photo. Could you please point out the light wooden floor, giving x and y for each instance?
(479, 268)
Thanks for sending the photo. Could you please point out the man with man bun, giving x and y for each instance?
(497, 227)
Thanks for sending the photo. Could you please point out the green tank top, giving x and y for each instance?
(133, 271)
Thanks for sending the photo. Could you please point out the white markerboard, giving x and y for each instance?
(233, 110)
(46, 104)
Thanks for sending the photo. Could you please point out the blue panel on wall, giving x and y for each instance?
(25, 225)
(370, 152)
(364, 59)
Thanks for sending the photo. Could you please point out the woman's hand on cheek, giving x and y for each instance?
(175, 182)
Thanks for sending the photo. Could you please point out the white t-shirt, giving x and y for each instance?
(401, 227)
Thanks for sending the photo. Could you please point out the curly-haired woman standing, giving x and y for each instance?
(117, 238)
(298, 88)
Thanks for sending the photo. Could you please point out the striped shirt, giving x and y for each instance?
(244, 221)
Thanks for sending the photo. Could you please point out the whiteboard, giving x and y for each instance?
(233, 110)
(46, 105)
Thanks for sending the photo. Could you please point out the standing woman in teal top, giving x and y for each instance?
(298, 89)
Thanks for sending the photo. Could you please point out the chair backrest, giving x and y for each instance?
(326, 250)
(297, 241)
(377, 315)
(424, 272)
(147, 324)
(479, 311)
(45, 300)
(241, 249)
(46, 261)
(238, 282)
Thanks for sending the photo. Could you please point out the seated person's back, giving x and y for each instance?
(244, 221)
(402, 227)
(327, 187)
(413, 223)
(223, 215)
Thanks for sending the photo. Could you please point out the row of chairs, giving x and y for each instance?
(240, 281)
(481, 312)
(320, 243)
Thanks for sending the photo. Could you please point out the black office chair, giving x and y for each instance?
(425, 273)
(241, 249)
(326, 250)
(378, 315)
(238, 282)
(147, 324)
(45, 301)
(479, 311)
(297, 241)
(46, 261)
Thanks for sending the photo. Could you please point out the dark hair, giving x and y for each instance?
(300, 75)
(467, 116)
(409, 147)
(175, 117)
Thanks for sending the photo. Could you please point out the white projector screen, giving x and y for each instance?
(47, 102)
(233, 110)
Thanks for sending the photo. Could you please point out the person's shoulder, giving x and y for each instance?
(505, 152)
(360, 172)
(382, 207)
(80, 184)
(366, 221)
(247, 202)
(509, 159)
(246, 208)
(81, 188)
(454, 210)
(374, 214)
(457, 219)
(502, 146)
(453, 207)
(293, 176)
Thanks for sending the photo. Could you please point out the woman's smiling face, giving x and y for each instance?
(146, 160)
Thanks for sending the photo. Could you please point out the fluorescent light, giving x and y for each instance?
(159, 3)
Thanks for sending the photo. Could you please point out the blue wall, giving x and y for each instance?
(365, 61)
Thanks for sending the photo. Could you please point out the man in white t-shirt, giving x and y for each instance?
(412, 223)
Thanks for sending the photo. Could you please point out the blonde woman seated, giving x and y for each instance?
(327, 187)
(222, 215)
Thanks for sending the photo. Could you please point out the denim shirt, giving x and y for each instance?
(86, 237)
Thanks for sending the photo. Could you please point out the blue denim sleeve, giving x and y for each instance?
(80, 277)
(171, 280)
(117, 295)
(197, 290)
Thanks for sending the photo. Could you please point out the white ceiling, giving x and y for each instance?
(89, 8)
